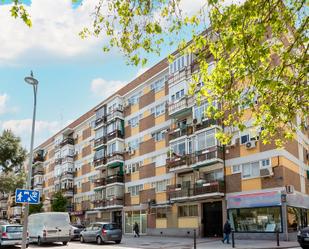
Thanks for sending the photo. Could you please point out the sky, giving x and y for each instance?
(74, 74)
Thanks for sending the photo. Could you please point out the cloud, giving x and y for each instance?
(4, 107)
(22, 128)
(104, 88)
(56, 24)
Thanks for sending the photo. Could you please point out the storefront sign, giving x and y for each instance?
(77, 213)
(260, 199)
(298, 200)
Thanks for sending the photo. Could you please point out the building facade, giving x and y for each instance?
(148, 154)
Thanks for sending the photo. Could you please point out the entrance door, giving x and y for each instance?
(212, 219)
(117, 218)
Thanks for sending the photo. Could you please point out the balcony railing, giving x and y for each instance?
(38, 170)
(115, 157)
(180, 131)
(99, 182)
(58, 161)
(100, 141)
(86, 205)
(99, 203)
(180, 105)
(114, 202)
(207, 123)
(99, 162)
(99, 121)
(207, 156)
(114, 114)
(67, 192)
(114, 178)
(114, 134)
(175, 161)
(66, 141)
(176, 191)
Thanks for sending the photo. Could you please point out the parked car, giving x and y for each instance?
(76, 230)
(11, 235)
(101, 232)
(303, 238)
(49, 227)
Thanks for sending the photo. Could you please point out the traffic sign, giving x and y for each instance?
(27, 196)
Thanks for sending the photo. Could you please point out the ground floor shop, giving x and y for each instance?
(266, 212)
(114, 216)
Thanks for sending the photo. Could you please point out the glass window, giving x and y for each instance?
(244, 139)
(297, 218)
(187, 211)
(134, 190)
(236, 169)
(158, 85)
(263, 219)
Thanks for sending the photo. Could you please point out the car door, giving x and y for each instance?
(86, 232)
(95, 231)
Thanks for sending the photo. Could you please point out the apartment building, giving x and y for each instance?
(148, 154)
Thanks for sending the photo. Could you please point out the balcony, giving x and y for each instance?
(67, 175)
(86, 205)
(99, 121)
(99, 182)
(179, 132)
(99, 142)
(66, 141)
(99, 162)
(38, 157)
(115, 134)
(181, 106)
(16, 211)
(207, 157)
(207, 123)
(38, 185)
(38, 170)
(99, 204)
(114, 160)
(207, 189)
(178, 163)
(115, 179)
(68, 159)
(58, 161)
(118, 113)
(67, 192)
(114, 202)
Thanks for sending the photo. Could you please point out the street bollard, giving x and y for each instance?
(194, 239)
(233, 240)
(277, 237)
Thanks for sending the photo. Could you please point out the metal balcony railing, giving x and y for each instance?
(114, 178)
(100, 141)
(99, 162)
(115, 202)
(99, 182)
(114, 114)
(180, 131)
(66, 141)
(114, 134)
(116, 156)
(180, 105)
(207, 156)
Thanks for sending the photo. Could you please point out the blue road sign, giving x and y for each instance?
(27, 196)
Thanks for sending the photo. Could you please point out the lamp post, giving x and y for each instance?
(34, 82)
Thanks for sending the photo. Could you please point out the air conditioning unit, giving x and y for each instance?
(289, 189)
(266, 172)
(251, 144)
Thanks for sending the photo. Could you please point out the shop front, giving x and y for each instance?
(266, 212)
(132, 215)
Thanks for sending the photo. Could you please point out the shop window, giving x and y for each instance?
(161, 213)
(297, 218)
(187, 211)
(260, 219)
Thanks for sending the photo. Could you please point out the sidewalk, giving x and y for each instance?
(158, 242)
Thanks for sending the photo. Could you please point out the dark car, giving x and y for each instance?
(303, 238)
(76, 230)
(100, 232)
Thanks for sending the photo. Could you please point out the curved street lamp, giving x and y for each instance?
(34, 82)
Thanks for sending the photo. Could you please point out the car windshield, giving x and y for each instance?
(111, 226)
(58, 220)
(14, 229)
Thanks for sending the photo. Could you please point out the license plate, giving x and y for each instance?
(115, 236)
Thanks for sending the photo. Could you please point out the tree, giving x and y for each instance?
(260, 49)
(10, 181)
(59, 202)
(11, 153)
(35, 208)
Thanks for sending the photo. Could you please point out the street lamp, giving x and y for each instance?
(34, 82)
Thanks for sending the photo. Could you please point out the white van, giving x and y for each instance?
(49, 227)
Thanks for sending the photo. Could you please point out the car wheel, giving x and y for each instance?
(99, 240)
(64, 243)
(39, 241)
(27, 245)
(117, 241)
(81, 239)
(304, 247)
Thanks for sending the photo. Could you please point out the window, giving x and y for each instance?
(161, 213)
(200, 111)
(179, 147)
(134, 190)
(134, 99)
(99, 154)
(187, 211)
(134, 144)
(244, 139)
(160, 186)
(158, 136)
(133, 167)
(100, 113)
(158, 110)
(160, 160)
(158, 85)
(178, 95)
(178, 64)
(236, 169)
(262, 219)
(265, 163)
(111, 148)
(133, 122)
(205, 140)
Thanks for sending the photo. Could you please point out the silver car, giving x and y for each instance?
(11, 234)
(101, 232)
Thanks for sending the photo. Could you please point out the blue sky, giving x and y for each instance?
(74, 74)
